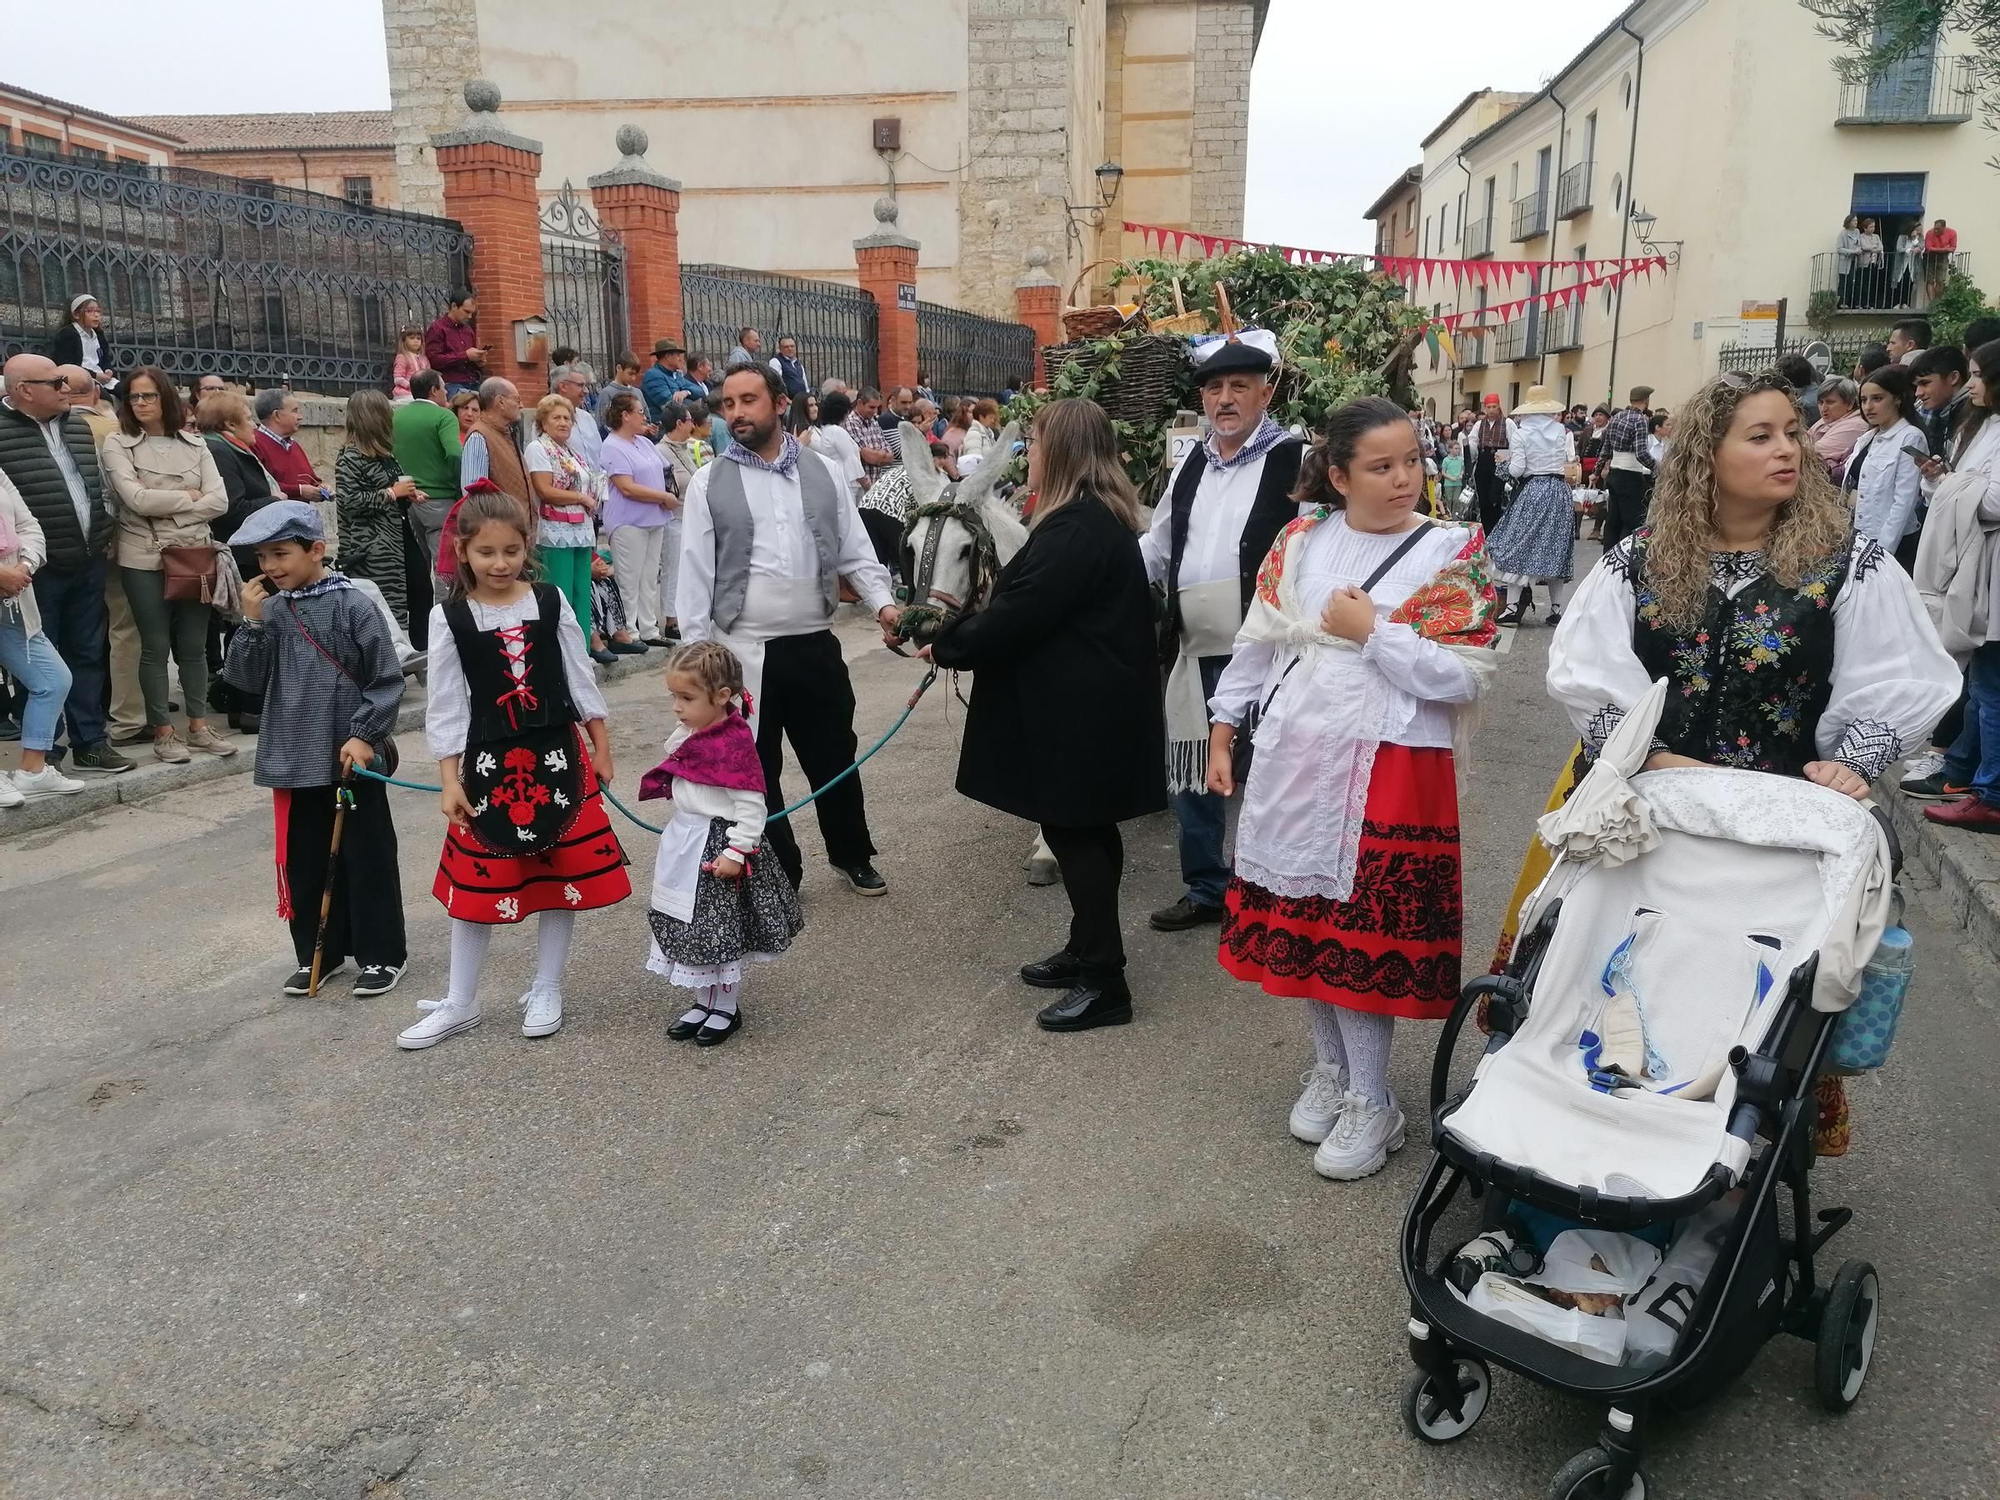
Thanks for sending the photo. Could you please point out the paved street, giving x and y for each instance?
(892, 1241)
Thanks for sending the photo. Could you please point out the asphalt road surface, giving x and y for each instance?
(889, 1241)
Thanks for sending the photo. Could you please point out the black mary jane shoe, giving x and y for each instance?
(715, 1036)
(682, 1028)
(1087, 1007)
(1555, 618)
(1059, 971)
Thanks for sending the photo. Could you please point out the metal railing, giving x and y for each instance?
(1914, 91)
(1562, 328)
(1478, 240)
(1744, 360)
(214, 275)
(834, 324)
(1517, 340)
(967, 355)
(583, 283)
(1471, 346)
(1531, 216)
(1901, 283)
(1573, 190)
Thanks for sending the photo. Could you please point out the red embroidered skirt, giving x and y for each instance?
(1393, 946)
(584, 870)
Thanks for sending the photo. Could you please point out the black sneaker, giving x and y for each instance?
(100, 757)
(1183, 914)
(376, 979)
(863, 880)
(301, 980)
(1935, 788)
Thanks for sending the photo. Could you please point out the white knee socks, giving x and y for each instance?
(1323, 1021)
(1366, 1037)
(469, 942)
(552, 937)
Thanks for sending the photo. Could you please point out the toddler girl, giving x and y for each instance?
(409, 363)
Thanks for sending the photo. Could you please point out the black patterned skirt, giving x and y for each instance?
(1393, 946)
(750, 919)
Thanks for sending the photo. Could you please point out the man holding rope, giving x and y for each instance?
(767, 533)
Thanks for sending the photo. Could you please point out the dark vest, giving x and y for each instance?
(500, 710)
(1273, 507)
(1750, 682)
(25, 459)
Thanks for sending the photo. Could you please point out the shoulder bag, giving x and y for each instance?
(391, 757)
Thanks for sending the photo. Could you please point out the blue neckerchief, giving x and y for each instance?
(787, 464)
(1267, 435)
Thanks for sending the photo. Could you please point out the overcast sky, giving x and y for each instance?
(1343, 92)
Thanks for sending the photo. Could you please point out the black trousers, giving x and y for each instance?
(1628, 494)
(1092, 861)
(418, 572)
(809, 700)
(1491, 487)
(366, 922)
(886, 532)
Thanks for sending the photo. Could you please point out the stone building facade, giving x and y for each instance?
(342, 153)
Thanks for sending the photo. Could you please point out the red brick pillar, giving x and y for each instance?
(644, 208)
(489, 187)
(1038, 303)
(887, 261)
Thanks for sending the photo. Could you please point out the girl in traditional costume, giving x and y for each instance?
(516, 723)
(1369, 636)
(719, 901)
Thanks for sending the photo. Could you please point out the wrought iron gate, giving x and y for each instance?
(583, 283)
(836, 325)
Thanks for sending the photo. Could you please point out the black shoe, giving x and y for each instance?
(628, 648)
(603, 658)
(1555, 618)
(681, 1028)
(301, 980)
(376, 979)
(99, 757)
(1513, 613)
(1183, 914)
(245, 723)
(1057, 972)
(1937, 788)
(863, 880)
(666, 639)
(1087, 1007)
(715, 1036)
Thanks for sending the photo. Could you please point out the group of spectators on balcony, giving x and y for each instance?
(1874, 273)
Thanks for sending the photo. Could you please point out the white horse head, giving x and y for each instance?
(960, 533)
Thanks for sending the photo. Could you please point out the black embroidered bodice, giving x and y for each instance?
(503, 705)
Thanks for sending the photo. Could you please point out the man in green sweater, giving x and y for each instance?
(426, 440)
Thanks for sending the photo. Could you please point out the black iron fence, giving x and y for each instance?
(1901, 284)
(204, 274)
(583, 283)
(1738, 359)
(834, 324)
(967, 355)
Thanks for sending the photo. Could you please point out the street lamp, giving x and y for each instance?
(1108, 176)
(1643, 222)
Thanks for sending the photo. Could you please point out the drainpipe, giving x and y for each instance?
(305, 172)
(1548, 280)
(1457, 370)
(1625, 214)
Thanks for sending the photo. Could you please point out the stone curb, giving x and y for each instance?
(152, 779)
(1966, 866)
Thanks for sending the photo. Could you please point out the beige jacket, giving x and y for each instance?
(29, 548)
(150, 479)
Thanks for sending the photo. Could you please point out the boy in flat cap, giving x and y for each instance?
(319, 652)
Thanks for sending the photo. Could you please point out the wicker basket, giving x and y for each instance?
(1150, 370)
(1183, 322)
(1092, 322)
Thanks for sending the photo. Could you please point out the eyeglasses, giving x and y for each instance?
(58, 383)
(135, 397)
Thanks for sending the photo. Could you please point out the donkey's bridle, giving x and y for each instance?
(923, 619)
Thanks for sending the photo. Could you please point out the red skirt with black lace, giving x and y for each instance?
(1393, 947)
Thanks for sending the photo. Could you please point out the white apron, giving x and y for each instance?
(677, 865)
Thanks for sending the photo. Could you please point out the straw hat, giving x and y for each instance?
(1539, 404)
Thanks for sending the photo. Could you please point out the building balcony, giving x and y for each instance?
(1573, 191)
(1892, 286)
(1471, 347)
(1531, 216)
(1562, 328)
(1478, 241)
(1517, 340)
(1912, 92)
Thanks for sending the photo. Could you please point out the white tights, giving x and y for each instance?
(470, 940)
(1357, 1040)
(712, 999)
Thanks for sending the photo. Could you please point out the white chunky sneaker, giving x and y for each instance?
(1362, 1139)
(47, 782)
(542, 1011)
(8, 796)
(444, 1020)
(1319, 1107)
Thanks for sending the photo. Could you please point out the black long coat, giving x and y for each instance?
(1066, 726)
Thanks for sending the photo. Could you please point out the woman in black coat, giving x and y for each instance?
(1066, 728)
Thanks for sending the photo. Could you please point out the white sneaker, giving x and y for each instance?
(1319, 1107)
(542, 1007)
(8, 796)
(47, 782)
(443, 1021)
(1362, 1140)
(1927, 763)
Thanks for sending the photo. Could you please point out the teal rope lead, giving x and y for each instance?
(612, 797)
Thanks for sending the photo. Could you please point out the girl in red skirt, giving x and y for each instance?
(1370, 634)
(512, 700)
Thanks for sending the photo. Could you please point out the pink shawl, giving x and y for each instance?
(724, 755)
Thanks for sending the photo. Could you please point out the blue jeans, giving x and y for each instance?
(34, 663)
(1974, 757)
(76, 623)
(1203, 816)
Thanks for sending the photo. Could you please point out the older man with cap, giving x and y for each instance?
(1224, 505)
(668, 381)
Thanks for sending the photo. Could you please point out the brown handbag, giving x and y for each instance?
(188, 573)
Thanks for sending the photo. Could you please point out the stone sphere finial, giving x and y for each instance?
(886, 212)
(482, 95)
(1038, 257)
(632, 140)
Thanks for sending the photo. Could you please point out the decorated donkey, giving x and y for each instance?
(958, 537)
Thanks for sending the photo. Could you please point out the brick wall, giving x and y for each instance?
(319, 172)
(433, 49)
(1225, 38)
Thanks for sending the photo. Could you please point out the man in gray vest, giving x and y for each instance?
(768, 530)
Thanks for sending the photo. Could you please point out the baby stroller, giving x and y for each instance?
(1654, 1047)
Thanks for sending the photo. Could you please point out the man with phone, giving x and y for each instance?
(1942, 393)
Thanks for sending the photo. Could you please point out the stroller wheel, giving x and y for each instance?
(1846, 1339)
(1424, 1409)
(1584, 1478)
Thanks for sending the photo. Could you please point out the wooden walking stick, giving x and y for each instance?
(343, 798)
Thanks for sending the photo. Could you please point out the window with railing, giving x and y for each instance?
(1471, 346)
(1899, 282)
(1478, 238)
(1516, 341)
(1562, 328)
(1920, 89)
(1531, 216)
(1573, 191)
